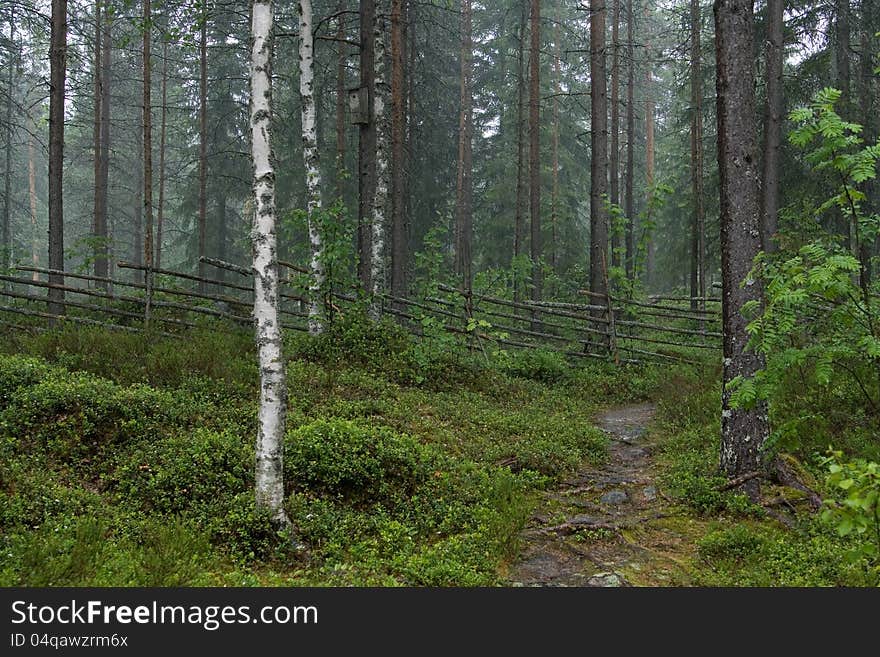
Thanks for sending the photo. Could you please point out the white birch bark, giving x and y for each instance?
(270, 437)
(310, 159)
(380, 198)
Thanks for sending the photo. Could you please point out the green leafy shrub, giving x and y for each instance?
(186, 470)
(20, 372)
(354, 462)
(77, 417)
(536, 364)
(246, 532)
(738, 543)
(855, 508)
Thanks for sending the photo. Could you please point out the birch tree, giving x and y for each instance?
(269, 454)
(380, 196)
(310, 159)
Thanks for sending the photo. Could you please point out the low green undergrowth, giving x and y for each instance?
(128, 460)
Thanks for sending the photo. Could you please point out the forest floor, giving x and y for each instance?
(609, 525)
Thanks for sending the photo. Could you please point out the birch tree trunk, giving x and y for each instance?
(743, 431)
(380, 102)
(310, 159)
(273, 392)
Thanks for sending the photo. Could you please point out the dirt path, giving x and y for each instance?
(607, 525)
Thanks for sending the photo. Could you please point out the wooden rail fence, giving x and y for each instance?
(608, 327)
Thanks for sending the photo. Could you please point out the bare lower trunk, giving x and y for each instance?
(340, 99)
(521, 185)
(464, 192)
(203, 146)
(743, 430)
(310, 160)
(614, 155)
(698, 271)
(629, 199)
(160, 211)
(32, 196)
(398, 149)
(557, 92)
(102, 263)
(273, 391)
(535, 152)
(773, 110)
(148, 163)
(366, 145)
(599, 145)
(97, 79)
(57, 78)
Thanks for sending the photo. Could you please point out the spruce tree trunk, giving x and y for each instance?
(203, 145)
(535, 153)
(7, 202)
(102, 263)
(649, 147)
(312, 164)
(398, 149)
(148, 161)
(698, 249)
(366, 146)
(599, 148)
(57, 78)
(773, 116)
(614, 159)
(743, 430)
(341, 93)
(464, 184)
(97, 147)
(521, 184)
(557, 92)
(629, 199)
(273, 390)
(160, 210)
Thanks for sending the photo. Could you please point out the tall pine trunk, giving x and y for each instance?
(398, 149)
(554, 190)
(599, 149)
(521, 184)
(698, 249)
(614, 159)
(743, 430)
(649, 148)
(464, 184)
(103, 263)
(535, 153)
(629, 199)
(773, 110)
(273, 388)
(366, 145)
(97, 147)
(341, 93)
(7, 202)
(160, 210)
(57, 78)
(203, 143)
(148, 160)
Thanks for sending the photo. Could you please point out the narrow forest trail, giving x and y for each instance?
(608, 525)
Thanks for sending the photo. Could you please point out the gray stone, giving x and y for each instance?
(650, 493)
(607, 580)
(585, 521)
(614, 497)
